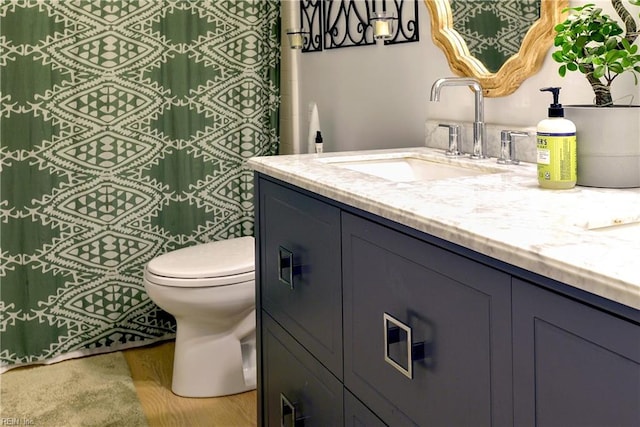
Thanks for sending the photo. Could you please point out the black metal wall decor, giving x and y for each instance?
(407, 28)
(311, 20)
(332, 24)
(346, 23)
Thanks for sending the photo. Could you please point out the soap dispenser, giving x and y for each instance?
(556, 147)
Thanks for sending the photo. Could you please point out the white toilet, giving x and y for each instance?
(210, 290)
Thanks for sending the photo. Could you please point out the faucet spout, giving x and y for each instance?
(479, 132)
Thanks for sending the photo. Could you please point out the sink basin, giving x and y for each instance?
(407, 169)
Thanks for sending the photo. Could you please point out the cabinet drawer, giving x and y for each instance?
(573, 365)
(456, 313)
(298, 389)
(300, 270)
(358, 415)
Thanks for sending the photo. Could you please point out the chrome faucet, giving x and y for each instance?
(479, 132)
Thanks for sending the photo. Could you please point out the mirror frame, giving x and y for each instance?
(517, 68)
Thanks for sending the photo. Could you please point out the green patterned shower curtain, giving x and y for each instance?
(125, 127)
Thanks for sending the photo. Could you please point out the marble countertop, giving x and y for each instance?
(588, 238)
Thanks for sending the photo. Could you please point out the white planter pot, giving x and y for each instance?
(608, 145)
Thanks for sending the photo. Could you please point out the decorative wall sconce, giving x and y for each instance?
(332, 24)
(383, 25)
(296, 37)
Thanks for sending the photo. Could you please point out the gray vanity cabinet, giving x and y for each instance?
(574, 365)
(299, 391)
(364, 322)
(301, 284)
(406, 299)
(356, 414)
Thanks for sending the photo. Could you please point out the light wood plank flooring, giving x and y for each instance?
(151, 369)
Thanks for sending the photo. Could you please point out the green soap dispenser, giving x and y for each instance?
(556, 147)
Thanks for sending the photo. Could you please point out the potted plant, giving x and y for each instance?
(592, 43)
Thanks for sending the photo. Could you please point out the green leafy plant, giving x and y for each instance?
(594, 44)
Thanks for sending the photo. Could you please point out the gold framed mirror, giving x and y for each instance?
(500, 78)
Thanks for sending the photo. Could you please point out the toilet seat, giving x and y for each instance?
(220, 263)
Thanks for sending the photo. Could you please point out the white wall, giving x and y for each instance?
(378, 96)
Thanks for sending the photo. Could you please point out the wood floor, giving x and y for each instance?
(151, 369)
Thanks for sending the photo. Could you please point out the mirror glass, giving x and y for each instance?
(500, 42)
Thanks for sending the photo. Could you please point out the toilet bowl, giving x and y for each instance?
(210, 290)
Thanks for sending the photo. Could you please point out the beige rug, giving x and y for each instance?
(91, 391)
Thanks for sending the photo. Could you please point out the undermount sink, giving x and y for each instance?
(408, 169)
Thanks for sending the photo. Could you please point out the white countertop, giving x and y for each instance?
(560, 234)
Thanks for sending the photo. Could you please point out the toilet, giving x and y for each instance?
(210, 290)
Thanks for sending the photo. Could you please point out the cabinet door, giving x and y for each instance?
(358, 415)
(298, 390)
(300, 271)
(457, 313)
(574, 365)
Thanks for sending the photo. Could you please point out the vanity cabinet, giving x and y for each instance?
(573, 365)
(356, 414)
(298, 390)
(365, 322)
(427, 333)
(300, 270)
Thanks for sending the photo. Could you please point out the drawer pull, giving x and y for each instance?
(288, 413)
(395, 332)
(285, 266)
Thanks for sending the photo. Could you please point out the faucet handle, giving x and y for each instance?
(508, 146)
(454, 138)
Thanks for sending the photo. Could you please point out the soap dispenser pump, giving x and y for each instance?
(556, 147)
(319, 143)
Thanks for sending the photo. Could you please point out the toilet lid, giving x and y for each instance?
(215, 260)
